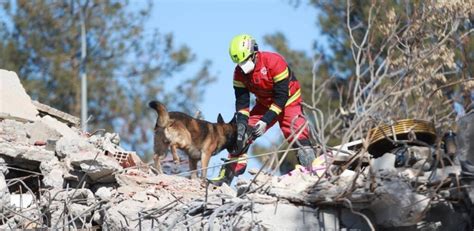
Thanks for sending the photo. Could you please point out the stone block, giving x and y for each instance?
(15, 103)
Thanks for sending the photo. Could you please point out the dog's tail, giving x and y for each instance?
(163, 116)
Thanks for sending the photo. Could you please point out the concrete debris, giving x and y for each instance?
(66, 118)
(277, 217)
(4, 193)
(104, 193)
(41, 132)
(110, 144)
(53, 172)
(384, 163)
(67, 147)
(52, 128)
(21, 201)
(14, 132)
(29, 157)
(52, 176)
(3, 166)
(99, 168)
(18, 106)
(391, 196)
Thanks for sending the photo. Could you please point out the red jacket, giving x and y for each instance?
(271, 82)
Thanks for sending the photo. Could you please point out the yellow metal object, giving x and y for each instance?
(381, 138)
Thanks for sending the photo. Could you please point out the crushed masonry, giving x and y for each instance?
(53, 176)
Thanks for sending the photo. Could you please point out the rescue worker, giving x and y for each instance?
(278, 99)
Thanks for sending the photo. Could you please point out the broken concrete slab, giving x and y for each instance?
(59, 214)
(57, 114)
(53, 173)
(13, 131)
(82, 196)
(396, 204)
(276, 217)
(109, 141)
(80, 210)
(385, 162)
(98, 167)
(72, 146)
(49, 128)
(125, 216)
(10, 224)
(104, 193)
(59, 127)
(4, 193)
(25, 156)
(140, 196)
(21, 201)
(3, 166)
(15, 103)
(78, 152)
(39, 131)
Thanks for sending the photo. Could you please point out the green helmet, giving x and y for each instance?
(241, 47)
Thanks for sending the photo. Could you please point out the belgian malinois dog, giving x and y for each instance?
(199, 139)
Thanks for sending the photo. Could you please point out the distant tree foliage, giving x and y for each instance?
(390, 19)
(394, 16)
(384, 60)
(126, 67)
(380, 47)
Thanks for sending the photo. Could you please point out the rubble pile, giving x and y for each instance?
(52, 175)
(388, 196)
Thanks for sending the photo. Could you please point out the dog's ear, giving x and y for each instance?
(220, 120)
(233, 120)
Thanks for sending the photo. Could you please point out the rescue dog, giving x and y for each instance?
(199, 139)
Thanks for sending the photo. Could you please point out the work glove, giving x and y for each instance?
(259, 128)
(241, 137)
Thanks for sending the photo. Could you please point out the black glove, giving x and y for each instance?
(243, 133)
(241, 137)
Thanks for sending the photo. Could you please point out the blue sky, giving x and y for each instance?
(207, 27)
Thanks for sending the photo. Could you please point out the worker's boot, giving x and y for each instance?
(225, 174)
(234, 166)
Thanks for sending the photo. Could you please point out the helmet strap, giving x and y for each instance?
(255, 46)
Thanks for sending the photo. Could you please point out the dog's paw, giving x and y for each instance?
(204, 182)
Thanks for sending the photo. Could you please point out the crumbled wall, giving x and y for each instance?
(54, 176)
